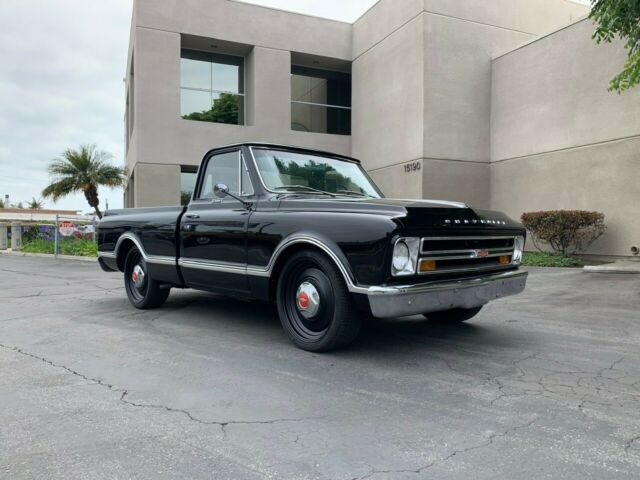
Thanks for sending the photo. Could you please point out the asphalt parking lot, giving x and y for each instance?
(543, 385)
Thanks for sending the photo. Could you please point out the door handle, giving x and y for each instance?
(192, 215)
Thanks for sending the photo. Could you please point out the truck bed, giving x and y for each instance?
(156, 228)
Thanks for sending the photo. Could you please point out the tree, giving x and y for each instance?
(620, 18)
(185, 197)
(35, 204)
(224, 110)
(83, 170)
(1, 203)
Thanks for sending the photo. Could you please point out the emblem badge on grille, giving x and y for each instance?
(481, 253)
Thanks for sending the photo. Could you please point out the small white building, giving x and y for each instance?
(28, 215)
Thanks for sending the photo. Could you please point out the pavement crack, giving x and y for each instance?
(487, 442)
(96, 381)
(123, 397)
(630, 443)
(222, 424)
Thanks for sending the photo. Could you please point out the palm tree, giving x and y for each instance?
(35, 204)
(83, 170)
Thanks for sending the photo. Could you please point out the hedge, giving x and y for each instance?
(567, 232)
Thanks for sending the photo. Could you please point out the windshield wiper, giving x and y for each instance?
(353, 192)
(304, 188)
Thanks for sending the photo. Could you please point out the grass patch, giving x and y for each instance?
(540, 259)
(76, 246)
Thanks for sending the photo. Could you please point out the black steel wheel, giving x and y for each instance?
(315, 307)
(454, 315)
(143, 291)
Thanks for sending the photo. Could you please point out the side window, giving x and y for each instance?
(222, 168)
(228, 168)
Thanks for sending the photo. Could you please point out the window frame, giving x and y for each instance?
(265, 187)
(304, 71)
(205, 168)
(221, 59)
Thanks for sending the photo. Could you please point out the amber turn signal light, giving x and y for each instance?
(505, 260)
(427, 266)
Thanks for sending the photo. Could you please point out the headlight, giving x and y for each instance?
(518, 248)
(400, 256)
(405, 256)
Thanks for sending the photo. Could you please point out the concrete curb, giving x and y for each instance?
(47, 255)
(623, 266)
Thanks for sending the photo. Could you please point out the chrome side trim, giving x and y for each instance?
(161, 260)
(259, 271)
(155, 259)
(201, 264)
(351, 286)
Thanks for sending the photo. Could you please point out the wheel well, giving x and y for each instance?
(122, 252)
(282, 259)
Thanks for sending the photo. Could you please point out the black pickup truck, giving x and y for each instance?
(310, 231)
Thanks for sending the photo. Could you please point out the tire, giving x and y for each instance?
(147, 293)
(331, 322)
(455, 315)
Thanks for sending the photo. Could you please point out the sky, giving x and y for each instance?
(61, 83)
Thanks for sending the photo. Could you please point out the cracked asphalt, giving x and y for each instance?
(542, 385)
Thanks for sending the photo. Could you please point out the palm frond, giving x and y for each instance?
(110, 176)
(59, 189)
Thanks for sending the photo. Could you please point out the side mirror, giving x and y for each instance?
(220, 190)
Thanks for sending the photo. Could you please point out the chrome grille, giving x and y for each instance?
(460, 254)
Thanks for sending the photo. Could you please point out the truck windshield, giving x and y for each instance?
(283, 171)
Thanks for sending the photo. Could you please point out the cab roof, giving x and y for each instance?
(291, 148)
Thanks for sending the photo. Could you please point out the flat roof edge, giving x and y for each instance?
(318, 17)
(542, 37)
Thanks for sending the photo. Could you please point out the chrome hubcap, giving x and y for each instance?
(138, 277)
(307, 300)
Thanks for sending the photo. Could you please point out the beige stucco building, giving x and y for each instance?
(502, 104)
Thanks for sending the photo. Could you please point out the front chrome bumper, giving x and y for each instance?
(399, 301)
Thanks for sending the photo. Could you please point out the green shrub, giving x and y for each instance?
(543, 259)
(67, 246)
(567, 232)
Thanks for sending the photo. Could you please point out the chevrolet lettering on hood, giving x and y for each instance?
(474, 221)
(311, 232)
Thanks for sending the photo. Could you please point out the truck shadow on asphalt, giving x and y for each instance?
(254, 320)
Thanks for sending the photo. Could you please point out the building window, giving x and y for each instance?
(188, 177)
(320, 101)
(212, 87)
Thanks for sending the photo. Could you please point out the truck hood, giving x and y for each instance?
(411, 213)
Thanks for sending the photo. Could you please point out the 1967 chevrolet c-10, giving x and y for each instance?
(312, 232)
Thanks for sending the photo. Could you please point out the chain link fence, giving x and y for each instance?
(64, 236)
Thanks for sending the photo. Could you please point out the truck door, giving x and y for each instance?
(213, 231)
